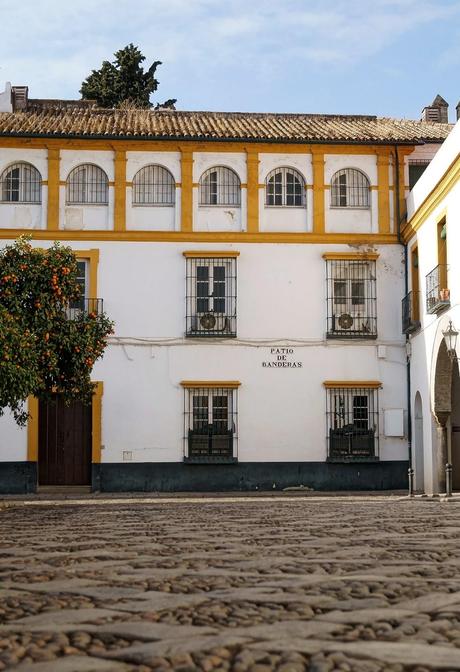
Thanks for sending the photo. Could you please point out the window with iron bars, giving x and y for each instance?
(220, 186)
(21, 183)
(211, 297)
(84, 304)
(210, 424)
(154, 185)
(350, 188)
(352, 423)
(87, 184)
(351, 298)
(285, 187)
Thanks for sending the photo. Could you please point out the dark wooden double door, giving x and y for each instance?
(64, 443)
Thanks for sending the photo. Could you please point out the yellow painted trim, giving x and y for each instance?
(195, 185)
(53, 189)
(252, 167)
(93, 257)
(32, 429)
(113, 144)
(374, 187)
(96, 413)
(433, 199)
(111, 184)
(119, 215)
(383, 179)
(44, 183)
(351, 256)
(187, 190)
(318, 190)
(204, 237)
(62, 183)
(232, 384)
(348, 384)
(206, 254)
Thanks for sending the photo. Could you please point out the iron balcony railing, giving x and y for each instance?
(410, 312)
(351, 442)
(351, 299)
(210, 444)
(353, 424)
(76, 308)
(437, 291)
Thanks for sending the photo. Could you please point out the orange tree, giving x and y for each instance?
(44, 347)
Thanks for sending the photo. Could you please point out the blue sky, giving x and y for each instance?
(385, 57)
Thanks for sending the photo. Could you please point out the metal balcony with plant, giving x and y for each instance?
(437, 291)
(410, 312)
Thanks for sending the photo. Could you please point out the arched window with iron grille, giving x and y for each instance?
(154, 185)
(285, 187)
(220, 186)
(350, 188)
(21, 183)
(87, 184)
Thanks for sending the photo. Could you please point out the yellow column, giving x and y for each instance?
(383, 181)
(53, 189)
(252, 163)
(97, 422)
(186, 190)
(119, 216)
(318, 189)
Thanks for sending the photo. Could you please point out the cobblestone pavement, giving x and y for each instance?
(288, 585)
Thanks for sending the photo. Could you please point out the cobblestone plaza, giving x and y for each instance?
(363, 584)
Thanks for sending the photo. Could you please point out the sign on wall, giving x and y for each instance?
(282, 358)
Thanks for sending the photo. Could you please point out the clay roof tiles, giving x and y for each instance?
(91, 122)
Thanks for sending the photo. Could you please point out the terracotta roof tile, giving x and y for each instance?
(92, 122)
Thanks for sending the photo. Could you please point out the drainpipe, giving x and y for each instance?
(406, 289)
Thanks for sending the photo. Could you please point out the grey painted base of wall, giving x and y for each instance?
(21, 477)
(18, 478)
(247, 476)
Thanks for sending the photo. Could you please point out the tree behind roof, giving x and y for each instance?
(123, 80)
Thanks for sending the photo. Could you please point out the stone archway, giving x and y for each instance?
(442, 410)
(419, 461)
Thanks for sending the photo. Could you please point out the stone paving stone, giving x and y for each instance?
(75, 664)
(143, 653)
(431, 602)
(367, 615)
(156, 601)
(68, 616)
(58, 586)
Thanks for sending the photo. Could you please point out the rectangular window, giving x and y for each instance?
(86, 302)
(210, 432)
(352, 423)
(351, 298)
(211, 297)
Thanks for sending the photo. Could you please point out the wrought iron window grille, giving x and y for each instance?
(87, 185)
(154, 185)
(220, 186)
(211, 297)
(210, 425)
(285, 187)
(411, 312)
(437, 290)
(350, 188)
(86, 306)
(20, 183)
(351, 298)
(352, 424)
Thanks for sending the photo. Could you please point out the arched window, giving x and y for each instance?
(285, 186)
(21, 183)
(154, 185)
(220, 186)
(87, 184)
(350, 189)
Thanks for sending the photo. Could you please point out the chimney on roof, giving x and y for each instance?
(437, 111)
(5, 99)
(19, 98)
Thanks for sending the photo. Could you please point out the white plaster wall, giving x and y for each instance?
(153, 218)
(351, 220)
(285, 219)
(25, 215)
(219, 217)
(93, 217)
(13, 440)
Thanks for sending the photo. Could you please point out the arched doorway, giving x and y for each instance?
(418, 445)
(443, 385)
(455, 426)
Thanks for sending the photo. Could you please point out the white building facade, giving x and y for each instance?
(430, 311)
(253, 268)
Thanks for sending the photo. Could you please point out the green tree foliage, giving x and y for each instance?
(123, 80)
(42, 350)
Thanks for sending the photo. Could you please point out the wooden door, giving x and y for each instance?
(64, 443)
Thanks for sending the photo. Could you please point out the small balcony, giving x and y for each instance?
(437, 292)
(86, 306)
(410, 313)
(210, 445)
(351, 443)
